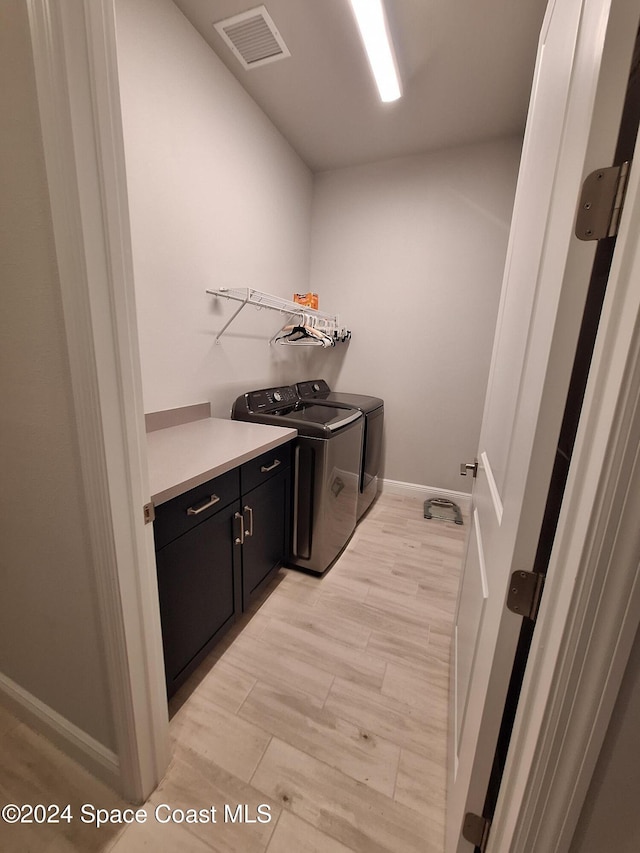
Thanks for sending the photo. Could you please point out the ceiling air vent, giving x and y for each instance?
(253, 37)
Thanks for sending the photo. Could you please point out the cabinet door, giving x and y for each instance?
(197, 586)
(267, 513)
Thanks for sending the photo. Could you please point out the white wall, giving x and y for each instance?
(50, 643)
(411, 253)
(218, 199)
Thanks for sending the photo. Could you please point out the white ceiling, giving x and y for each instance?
(466, 67)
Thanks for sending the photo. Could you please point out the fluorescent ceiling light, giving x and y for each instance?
(374, 30)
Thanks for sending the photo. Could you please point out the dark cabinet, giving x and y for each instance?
(267, 512)
(217, 546)
(197, 580)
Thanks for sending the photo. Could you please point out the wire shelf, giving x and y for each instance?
(249, 296)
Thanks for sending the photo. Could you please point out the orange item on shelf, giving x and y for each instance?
(310, 300)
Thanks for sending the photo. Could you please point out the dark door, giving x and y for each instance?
(196, 590)
(266, 512)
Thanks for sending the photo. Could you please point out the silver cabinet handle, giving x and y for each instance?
(265, 468)
(196, 510)
(239, 540)
(249, 532)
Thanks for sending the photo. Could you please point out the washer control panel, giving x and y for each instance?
(269, 399)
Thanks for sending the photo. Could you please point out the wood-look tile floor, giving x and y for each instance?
(327, 704)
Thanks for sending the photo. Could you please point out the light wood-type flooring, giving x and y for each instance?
(326, 707)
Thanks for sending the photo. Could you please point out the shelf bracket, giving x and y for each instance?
(232, 318)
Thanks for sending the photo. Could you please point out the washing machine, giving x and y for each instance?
(326, 471)
(372, 409)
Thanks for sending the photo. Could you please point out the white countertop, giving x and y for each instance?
(182, 457)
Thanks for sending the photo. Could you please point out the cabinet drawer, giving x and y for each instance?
(263, 467)
(180, 514)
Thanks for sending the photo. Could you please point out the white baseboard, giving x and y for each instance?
(415, 490)
(71, 740)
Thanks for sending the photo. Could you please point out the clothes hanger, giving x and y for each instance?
(307, 331)
(303, 335)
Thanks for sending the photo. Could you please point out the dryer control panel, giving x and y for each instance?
(315, 388)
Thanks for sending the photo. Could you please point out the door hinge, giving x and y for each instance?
(601, 202)
(525, 590)
(149, 513)
(476, 830)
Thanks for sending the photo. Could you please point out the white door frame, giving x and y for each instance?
(592, 597)
(590, 610)
(562, 141)
(590, 613)
(74, 49)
